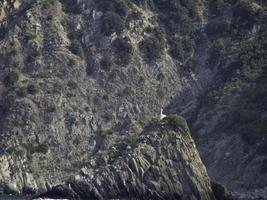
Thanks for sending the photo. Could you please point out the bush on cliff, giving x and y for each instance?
(40, 148)
(119, 7)
(76, 47)
(152, 48)
(21, 92)
(176, 122)
(111, 23)
(11, 79)
(123, 48)
(71, 6)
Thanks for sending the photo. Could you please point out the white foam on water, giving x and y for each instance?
(49, 199)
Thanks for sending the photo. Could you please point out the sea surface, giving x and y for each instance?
(9, 197)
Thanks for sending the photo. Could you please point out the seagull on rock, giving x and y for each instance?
(162, 116)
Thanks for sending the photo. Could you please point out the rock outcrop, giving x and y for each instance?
(163, 163)
(69, 92)
(79, 77)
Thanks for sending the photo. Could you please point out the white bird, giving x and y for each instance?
(38, 25)
(162, 116)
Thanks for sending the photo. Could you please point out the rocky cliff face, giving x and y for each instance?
(162, 163)
(228, 113)
(70, 94)
(79, 77)
(8, 8)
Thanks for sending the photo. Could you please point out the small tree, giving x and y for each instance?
(111, 23)
(71, 6)
(120, 7)
(11, 79)
(152, 48)
(32, 89)
(21, 92)
(72, 84)
(106, 62)
(176, 121)
(75, 47)
(123, 49)
(41, 148)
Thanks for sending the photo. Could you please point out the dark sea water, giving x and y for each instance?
(8, 197)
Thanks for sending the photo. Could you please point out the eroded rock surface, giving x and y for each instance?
(163, 163)
(79, 77)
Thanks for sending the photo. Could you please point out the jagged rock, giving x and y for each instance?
(71, 99)
(220, 192)
(169, 170)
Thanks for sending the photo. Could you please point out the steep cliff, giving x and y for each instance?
(72, 90)
(79, 77)
(228, 113)
(162, 163)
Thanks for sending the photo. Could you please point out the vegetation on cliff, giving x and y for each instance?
(92, 74)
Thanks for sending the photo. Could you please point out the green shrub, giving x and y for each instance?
(10, 150)
(32, 57)
(217, 7)
(51, 109)
(16, 64)
(106, 63)
(36, 148)
(132, 139)
(21, 92)
(11, 79)
(128, 90)
(176, 50)
(152, 48)
(71, 6)
(111, 23)
(76, 47)
(144, 3)
(181, 49)
(253, 58)
(159, 33)
(218, 29)
(76, 34)
(123, 49)
(176, 121)
(29, 36)
(47, 3)
(119, 7)
(245, 14)
(89, 70)
(216, 53)
(32, 89)
(72, 84)
(41, 148)
(177, 18)
(105, 97)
